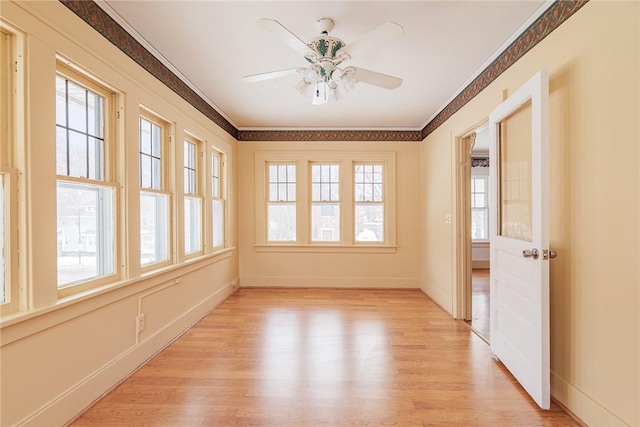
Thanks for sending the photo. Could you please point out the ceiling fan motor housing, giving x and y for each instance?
(326, 53)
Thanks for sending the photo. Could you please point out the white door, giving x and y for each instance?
(519, 235)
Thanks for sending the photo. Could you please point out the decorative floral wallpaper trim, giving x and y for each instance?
(99, 20)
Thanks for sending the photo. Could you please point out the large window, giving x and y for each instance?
(154, 194)
(192, 198)
(480, 208)
(369, 202)
(86, 197)
(281, 205)
(217, 199)
(6, 138)
(325, 202)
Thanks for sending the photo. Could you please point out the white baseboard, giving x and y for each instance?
(331, 282)
(582, 406)
(78, 398)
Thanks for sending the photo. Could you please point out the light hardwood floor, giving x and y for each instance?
(323, 357)
(480, 302)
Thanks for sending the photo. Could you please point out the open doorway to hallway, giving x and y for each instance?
(473, 229)
(479, 232)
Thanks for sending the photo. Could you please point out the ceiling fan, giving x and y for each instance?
(325, 54)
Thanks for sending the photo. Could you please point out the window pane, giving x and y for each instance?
(95, 115)
(61, 151)
(154, 228)
(282, 222)
(86, 238)
(145, 171)
(325, 222)
(291, 192)
(218, 223)
(77, 105)
(192, 224)
(315, 192)
(77, 155)
(145, 136)
(156, 179)
(273, 173)
(61, 101)
(335, 192)
(369, 222)
(479, 224)
(479, 201)
(156, 134)
(377, 192)
(273, 192)
(96, 156)
(282, 173)
(282, 192)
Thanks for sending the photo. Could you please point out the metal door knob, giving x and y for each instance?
(530, 253)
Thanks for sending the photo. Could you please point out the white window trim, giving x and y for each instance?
(303, 161)
(10, 124)
(476, 173)
(109, 179)
(166, 185)
(222, 197)
(200, 185)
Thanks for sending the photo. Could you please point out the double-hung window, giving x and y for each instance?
(325, 202)
(154, 192)
(281, 202)
(217, 199)
(192, 198)
(8, 175)
(480, 207)
(86, 188)
(369, 209)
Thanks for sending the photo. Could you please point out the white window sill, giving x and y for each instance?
(330, 248)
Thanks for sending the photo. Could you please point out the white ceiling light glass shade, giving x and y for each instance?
(324, 54)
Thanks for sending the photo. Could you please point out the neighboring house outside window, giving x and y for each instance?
(192, 198)
(218, 192)
(154, 193)
(480, 204)
(318, 201)
(86, 189)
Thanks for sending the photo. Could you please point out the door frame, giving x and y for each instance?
(462, 224)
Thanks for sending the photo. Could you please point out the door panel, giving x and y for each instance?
(519, 294)
(515, 174)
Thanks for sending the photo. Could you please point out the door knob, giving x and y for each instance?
(530, 253)
(548, 254)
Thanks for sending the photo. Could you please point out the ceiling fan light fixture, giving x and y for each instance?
(303, 87)
(324, 54)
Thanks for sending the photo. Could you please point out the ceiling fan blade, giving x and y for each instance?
(285, 35)
(375, 79)
(271, 75)
(373, 39)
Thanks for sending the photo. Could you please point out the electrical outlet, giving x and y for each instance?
(140, 323)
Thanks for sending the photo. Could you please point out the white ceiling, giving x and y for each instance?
(212, 44)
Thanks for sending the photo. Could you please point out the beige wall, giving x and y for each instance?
(400, 269)
(61, 354)
(90, 341)
(593, 60)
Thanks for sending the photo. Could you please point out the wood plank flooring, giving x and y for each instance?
(480, 302)
(323, 357)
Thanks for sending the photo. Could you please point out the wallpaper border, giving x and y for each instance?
(99, 20)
